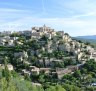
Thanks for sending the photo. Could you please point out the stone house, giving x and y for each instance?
(26, 72)
(10, 67)
(93, 55)
(80, 55)
(69, 69)
(45, 70)
(34, 70)
(36, 35)
(62, 71)
(36, 84)
(11, 43)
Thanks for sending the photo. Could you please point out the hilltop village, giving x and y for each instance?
(43, 50)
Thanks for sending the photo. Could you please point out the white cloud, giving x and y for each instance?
(74, 26)
(81, 6)
(81, 21)
(10, 10)
(85, 15)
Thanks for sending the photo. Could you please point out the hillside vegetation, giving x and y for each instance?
(43, 59)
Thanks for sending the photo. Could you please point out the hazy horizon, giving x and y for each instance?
(76, 17)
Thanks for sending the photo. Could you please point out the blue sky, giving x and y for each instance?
(76, 17)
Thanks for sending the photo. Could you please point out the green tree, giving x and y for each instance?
(55, 88)
(6, 72)
(77, 74)
(41, 78)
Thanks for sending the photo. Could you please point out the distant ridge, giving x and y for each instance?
(87, 37)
